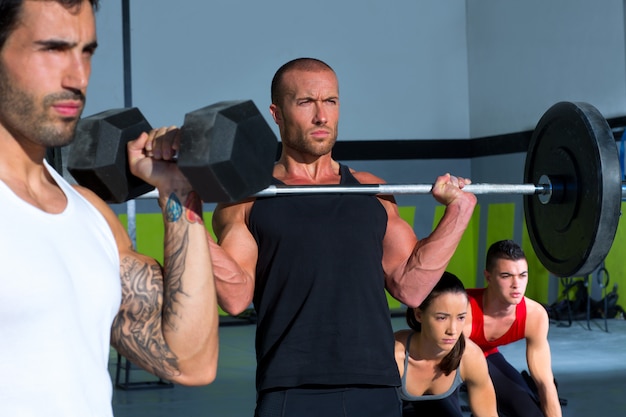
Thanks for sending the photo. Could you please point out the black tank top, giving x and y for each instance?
(323, 317)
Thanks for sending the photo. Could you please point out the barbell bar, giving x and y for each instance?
(544, 189)
(379, 189)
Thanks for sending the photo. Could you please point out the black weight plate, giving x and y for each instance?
(574, 147)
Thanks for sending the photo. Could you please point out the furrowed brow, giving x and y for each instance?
(55, 44)
(61, 44)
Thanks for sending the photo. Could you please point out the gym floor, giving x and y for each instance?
(588, 361)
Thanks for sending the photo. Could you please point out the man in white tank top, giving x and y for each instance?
(71, 281)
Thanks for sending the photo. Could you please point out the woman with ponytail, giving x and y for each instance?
(434, 359)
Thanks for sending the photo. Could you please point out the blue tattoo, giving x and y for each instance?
(173, 209)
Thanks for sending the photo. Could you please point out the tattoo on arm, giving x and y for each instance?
(137, 331)
(173, 209)
(176, 245)
(192, 208)
(151, 302)
(175, 254)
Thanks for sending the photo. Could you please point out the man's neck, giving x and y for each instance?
(319, 170)
(495, 306)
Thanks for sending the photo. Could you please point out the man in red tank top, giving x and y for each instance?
(501, 314)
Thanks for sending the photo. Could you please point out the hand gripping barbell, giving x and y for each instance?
(572, 181)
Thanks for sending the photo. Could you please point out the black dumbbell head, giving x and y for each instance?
(227, 151)
(98, 158)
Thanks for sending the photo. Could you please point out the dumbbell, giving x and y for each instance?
(227, 152)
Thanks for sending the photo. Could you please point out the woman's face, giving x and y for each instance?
(443, 320)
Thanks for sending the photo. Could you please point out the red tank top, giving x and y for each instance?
(515, 333)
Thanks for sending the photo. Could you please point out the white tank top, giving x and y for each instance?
(59, 293)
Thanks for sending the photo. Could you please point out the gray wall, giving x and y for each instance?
(525, 56)
(408, 69)
(396, 82)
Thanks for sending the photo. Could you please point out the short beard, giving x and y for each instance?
(19, 115)
(303, 146)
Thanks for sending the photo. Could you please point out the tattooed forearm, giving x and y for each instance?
(176, 245)
(137, 331)
(153, 298)
(192, 209)
(175, 253)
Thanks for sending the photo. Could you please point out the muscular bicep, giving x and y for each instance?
(234, 258)
(399, 242)
(231, 229)
(137, 331)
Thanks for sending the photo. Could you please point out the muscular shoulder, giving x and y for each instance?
(534, 310)
(369, 178)
(473, 360)
(472, 350)
(366, 177)
(91, 197)
(537, 320)
(227, 215)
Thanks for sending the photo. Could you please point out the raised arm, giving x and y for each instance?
(475, 374)
(413, 266)
(168, 319)
(539, 358)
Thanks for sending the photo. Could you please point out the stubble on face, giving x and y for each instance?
(25, 118)
(303, 145)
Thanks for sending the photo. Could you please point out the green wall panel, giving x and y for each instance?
(500, 223)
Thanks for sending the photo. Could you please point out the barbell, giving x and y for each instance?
(572, 183)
